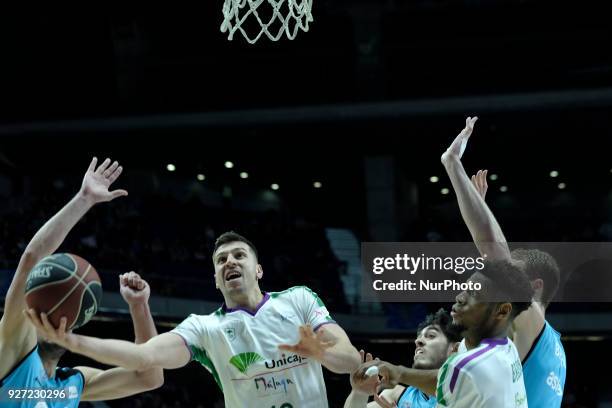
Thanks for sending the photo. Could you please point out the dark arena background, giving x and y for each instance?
(348, 121)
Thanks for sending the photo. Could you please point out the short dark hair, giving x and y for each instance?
(444, 321)
(231, 236)
(540, 265)
(509, 282)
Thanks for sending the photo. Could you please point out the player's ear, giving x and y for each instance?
(453, 347)
(259, 272)
(537, 284)
(504, 310)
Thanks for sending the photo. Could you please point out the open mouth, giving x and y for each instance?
(231, 275)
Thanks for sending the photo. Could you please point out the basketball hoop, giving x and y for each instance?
(287, 17)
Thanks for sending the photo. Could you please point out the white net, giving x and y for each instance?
(284, 17)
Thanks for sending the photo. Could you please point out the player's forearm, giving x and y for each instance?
(46, 241)
(112, 352)
(342, 358)
(484, 228)
(425, 380)
(356, 399)
(144, 327)
(51, 235)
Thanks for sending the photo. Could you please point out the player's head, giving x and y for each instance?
(436, 340)
(236, 266)
(542, 270)
(505, 293)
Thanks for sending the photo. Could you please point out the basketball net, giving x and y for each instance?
(287, 15)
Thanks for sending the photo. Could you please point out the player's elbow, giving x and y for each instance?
(152, 379)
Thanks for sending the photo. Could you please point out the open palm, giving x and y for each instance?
(96, 182)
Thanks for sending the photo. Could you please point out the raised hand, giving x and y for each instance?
(134, 290)
(364, 383)
(479, 180)
(311, 344)
(458, 146)
(96, 182)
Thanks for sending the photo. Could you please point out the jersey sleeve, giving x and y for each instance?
(312, 307)
(193, 332)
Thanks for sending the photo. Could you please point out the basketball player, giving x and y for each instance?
(486, 371)
(436, 339)
(246, 343)
(538, 344)
(29, 362)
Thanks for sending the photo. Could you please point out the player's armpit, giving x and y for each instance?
(118, 382)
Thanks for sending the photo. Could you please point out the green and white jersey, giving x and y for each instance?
(240, 349)
(488, 376)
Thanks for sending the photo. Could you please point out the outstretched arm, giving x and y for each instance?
(17, 336)
(167, 350)
(120, 382)
(484, 228)
(393, 375)
(486, 232)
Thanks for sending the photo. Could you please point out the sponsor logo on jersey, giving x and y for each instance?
(520, 400)
(517, 371)
(243, 361)
(555, 383)
(559, 353)
(270, 384)
(72, 392)
(285, 361)
(230, 332)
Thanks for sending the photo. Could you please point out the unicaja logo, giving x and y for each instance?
(243, 361)
(284, 360)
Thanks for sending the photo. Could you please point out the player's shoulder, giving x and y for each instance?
(294, 290)
(204, 320)
(477, 359)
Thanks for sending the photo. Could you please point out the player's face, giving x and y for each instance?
(432, 348)
(470, 312)
(236, 268)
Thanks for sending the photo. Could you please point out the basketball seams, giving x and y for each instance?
(67, 295)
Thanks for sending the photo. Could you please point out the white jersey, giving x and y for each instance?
(240, 349)
(489, 375)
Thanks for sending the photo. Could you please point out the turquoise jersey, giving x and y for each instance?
(544, 370)
(30, 376)
(414, 398)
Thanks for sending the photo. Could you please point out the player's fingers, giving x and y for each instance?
(116, 173)
(369, 357)
(362, 354)
(110, 169)
(62, 327)
(288, 347)
(46, 323)
(92, 165)
(103, 166)
(118, 193)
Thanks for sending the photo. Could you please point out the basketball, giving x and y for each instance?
(64, 285)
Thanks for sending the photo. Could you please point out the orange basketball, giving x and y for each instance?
(64, 285)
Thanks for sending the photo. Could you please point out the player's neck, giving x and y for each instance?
(248, 301)
(473, 340)
(50, 365)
